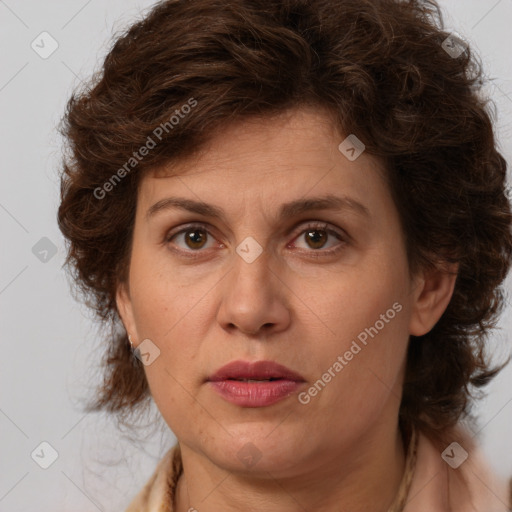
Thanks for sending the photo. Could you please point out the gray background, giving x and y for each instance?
(50, 344)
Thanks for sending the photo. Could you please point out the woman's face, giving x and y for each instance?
(323, 290)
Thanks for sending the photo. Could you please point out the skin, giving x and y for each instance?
(342, 450)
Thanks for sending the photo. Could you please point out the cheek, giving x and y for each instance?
(170, 323)
(160, 299)
(170, 309)
(356, 300)
(367, 368)
(368, 317)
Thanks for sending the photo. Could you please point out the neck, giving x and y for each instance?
(365, 478)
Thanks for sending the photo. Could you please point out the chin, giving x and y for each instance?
(255, 448)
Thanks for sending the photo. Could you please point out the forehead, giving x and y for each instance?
(291, 135)
(275, 159)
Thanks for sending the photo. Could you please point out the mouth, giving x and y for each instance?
(257, 380)
(256, 384)
(256, 371)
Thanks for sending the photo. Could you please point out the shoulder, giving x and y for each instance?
(156, 495)
(455, 477)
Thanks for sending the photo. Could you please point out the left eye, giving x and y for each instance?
(315, 235)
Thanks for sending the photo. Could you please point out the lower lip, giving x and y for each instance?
(255, 394)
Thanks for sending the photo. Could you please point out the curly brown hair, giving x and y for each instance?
(382, 68)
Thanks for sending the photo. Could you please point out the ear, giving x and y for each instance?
(125, 309)
(432, 294)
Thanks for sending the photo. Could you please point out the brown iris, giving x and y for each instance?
(196, 241)
(318, 239)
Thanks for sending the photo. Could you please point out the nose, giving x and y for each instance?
(254, 299)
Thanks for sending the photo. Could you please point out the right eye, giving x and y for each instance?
(193, 237)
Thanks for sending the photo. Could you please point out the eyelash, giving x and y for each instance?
(316, 226)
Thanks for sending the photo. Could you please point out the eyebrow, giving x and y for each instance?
(291, 209)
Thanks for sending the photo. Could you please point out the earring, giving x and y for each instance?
(130, 340)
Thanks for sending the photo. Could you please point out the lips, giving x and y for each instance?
(256, 384)
(256, 371)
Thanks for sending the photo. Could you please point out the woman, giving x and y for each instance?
(296, 213)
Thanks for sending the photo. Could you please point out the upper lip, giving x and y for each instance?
(257, 370)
